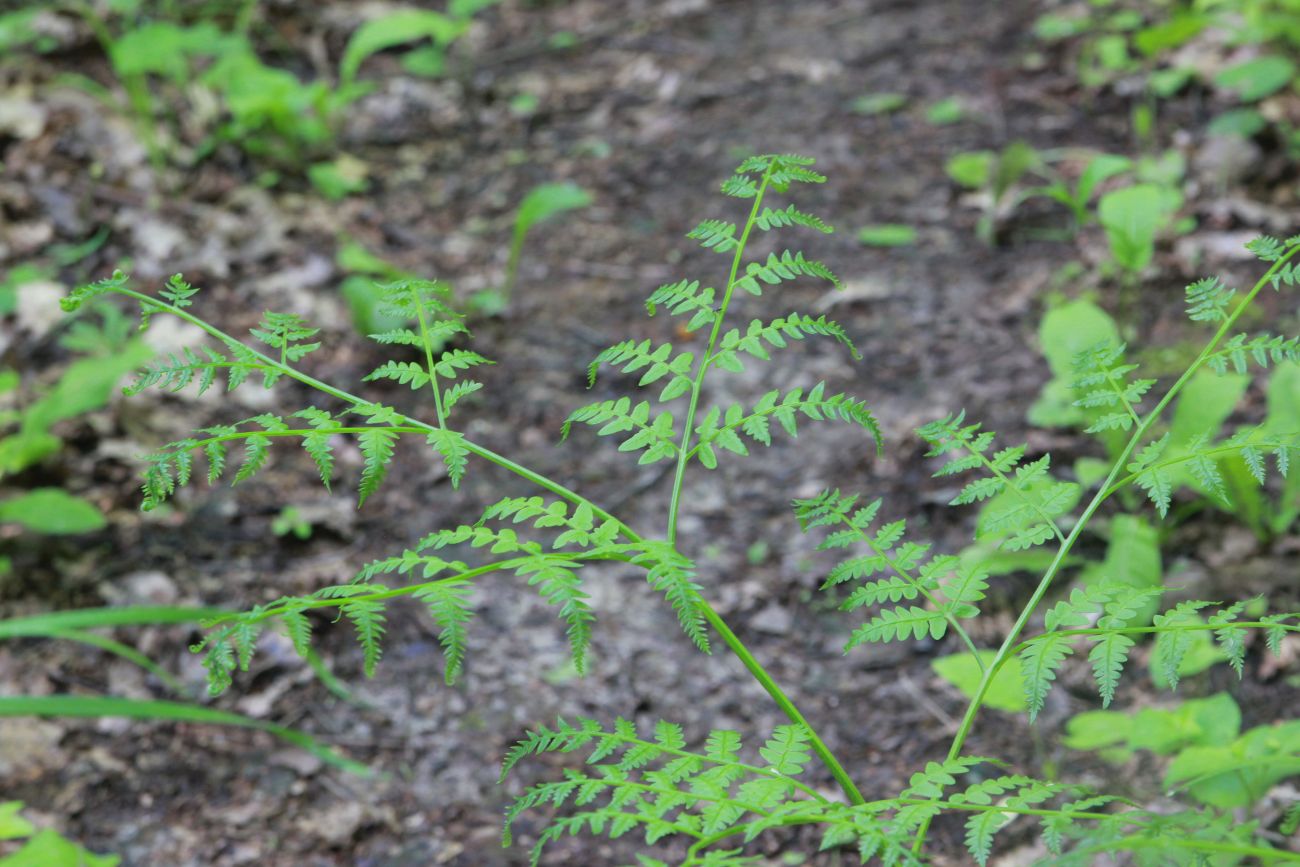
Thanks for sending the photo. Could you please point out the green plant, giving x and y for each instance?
(44, 848)
(1098, 169)
(543, 202)
(718, 798)
(1143, 41)
(1212, 760)
(290, 520)
(887, 235)
(206, 60)
(995, 177)
(108, 353)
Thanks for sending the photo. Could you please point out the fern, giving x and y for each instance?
(377, 451)
(683, 297)
(718, 430)
(632, 356)
(1152, 469)
(949, 587)
(637, 781)
(653, 438)
(286, 332)
(716, 800)
(1263, 349)
(1027, 515)
(367, 615)
(795, 327)
(1103, 383)
(771, 218)
(716, 235)
(402, 372)
(781, 268)
(1208, 299)
(318, 443)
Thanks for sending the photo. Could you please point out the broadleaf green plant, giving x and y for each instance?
(717, 799)
(42, 848)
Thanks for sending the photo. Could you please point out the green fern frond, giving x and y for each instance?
(414, 299)
(1039, 662)
(557, 581)
(458, 391)
(777, 218)
(781, 170)
(716, 235)
(175, 372)
(1267, 248)
(739, 187)
(950, 587)
(401, 372)
(177, 292)
(1150, 477)
(319, 444)
(579, 528)
(74, 300)
(377, 451)
(653, 782)
(654, 438)
(285, 332)
(451, 362)
(1208, 299)
(794, 326)
(1102, 380)
(673, 575)
(448, 604)
(1030, 499)
(1263, 349)
(685, 297)
(900, 624)
(718, 430)
(257, 448)
(632, 356)
(450, 446)
(1173, 643)
(367, 616)
(783, 267)
(298, 628)
(1108, 657)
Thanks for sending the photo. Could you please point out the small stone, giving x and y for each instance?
(773, 619)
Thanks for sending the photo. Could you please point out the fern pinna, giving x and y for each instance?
(706, 806)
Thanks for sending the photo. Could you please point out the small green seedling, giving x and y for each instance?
(543, 203)
(996, 176)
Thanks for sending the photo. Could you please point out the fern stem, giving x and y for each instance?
(880, 806)
(683, 455)
(1045, 583)
(428, 358)
(783, 701)
(1118, 388)
(1139, 842)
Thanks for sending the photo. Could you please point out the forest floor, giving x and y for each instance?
(649, 111)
